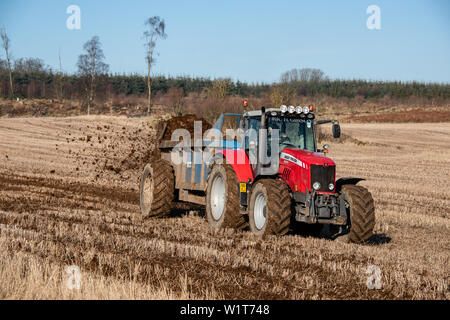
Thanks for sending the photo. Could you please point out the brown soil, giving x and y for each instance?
(64, 108)
(416, 115)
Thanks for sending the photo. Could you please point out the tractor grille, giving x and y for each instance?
(286, 173)
(323, 175)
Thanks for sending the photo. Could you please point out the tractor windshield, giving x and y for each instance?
(294, 132)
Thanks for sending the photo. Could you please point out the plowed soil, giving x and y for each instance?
(414, 115)
(69, 196)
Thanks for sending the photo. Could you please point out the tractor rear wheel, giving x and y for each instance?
(222, 199)
(361, 211)
(157, 189)
(270, 208)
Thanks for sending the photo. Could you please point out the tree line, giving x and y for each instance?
(44, 83)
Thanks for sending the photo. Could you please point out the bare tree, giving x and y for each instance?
(5, 44)
(282, 94)
(216, 97)
(29, 65)
(219, 90)
(175, 100)
(90, 66)
(155, 31)
(303, 75)
(60, 78)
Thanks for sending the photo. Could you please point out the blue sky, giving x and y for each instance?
(252, 41)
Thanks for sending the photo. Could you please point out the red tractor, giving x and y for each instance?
(263, 179)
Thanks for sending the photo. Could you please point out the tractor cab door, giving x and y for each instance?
(252, 145)
(251, 126)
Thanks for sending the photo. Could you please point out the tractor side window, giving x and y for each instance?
(251, 137)
(254, 123)
(309, 136)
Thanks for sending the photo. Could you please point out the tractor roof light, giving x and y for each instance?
(311, 108)
(291, 109)
(298, 109)
(305, 110)
(283, 108)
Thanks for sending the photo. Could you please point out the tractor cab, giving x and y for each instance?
(274, 137)
(293, 131)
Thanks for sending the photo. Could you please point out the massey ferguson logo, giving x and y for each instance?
(292, 159)
(325, 165)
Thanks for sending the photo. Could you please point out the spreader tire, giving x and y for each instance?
(157, 189)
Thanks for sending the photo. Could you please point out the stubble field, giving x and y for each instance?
(69, 196)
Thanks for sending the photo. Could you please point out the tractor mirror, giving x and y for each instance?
(336, 131)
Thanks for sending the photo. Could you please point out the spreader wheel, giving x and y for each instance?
(157, 189)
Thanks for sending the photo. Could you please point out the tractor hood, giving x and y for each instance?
(308, 157)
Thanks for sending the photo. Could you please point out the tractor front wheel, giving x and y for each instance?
(270, 208)
(361, 210)
(222, 199)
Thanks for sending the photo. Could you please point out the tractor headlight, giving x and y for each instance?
(283, 108)
(298, 109)
(331, 186)
(291, 109)
(316, 185)
(305, 110)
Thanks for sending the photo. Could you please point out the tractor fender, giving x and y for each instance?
(238, 160)
(347, 180)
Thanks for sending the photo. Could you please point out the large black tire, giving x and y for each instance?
(361, 211)
(157, 189)
(227, 215)
(277, 210)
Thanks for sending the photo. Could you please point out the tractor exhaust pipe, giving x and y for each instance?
(262, 142)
